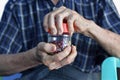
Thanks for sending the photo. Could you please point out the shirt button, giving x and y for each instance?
(54, 8)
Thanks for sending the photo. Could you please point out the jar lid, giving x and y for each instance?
(65, 27)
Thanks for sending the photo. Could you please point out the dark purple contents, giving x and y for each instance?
(60, 41)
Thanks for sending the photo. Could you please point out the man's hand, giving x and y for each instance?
(76, 23)
(57, 60)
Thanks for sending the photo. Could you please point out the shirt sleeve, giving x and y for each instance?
(10, 32)
(108, 16)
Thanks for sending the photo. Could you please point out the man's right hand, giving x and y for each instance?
(57, 60)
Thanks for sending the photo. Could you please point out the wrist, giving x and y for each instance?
(90, 29)
(94, 30)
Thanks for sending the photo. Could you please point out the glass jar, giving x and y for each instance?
(61, 41)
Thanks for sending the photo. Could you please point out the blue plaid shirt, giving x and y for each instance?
(21, 27)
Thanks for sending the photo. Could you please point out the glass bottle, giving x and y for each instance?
(61, 41)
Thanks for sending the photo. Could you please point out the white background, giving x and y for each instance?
(3, 2)
(117, 4)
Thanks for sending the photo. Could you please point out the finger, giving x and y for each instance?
(59, 20)
(70, 22)
(41, 55)
(69, 59)
(61, 55)
(45, 22)
(47, 47)
(45, 59)
(51, 20)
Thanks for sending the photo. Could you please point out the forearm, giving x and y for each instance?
(17, 62)
(108, 40)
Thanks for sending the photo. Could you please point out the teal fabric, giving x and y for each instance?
(109, 68)
(0, 78)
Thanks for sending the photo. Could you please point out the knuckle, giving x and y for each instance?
(67, 11)
(58, 16)
(71, 17)
(39, 45)
(45, 46)
(63, 7)
(46, 16)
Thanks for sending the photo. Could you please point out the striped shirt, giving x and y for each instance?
(21, 28)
